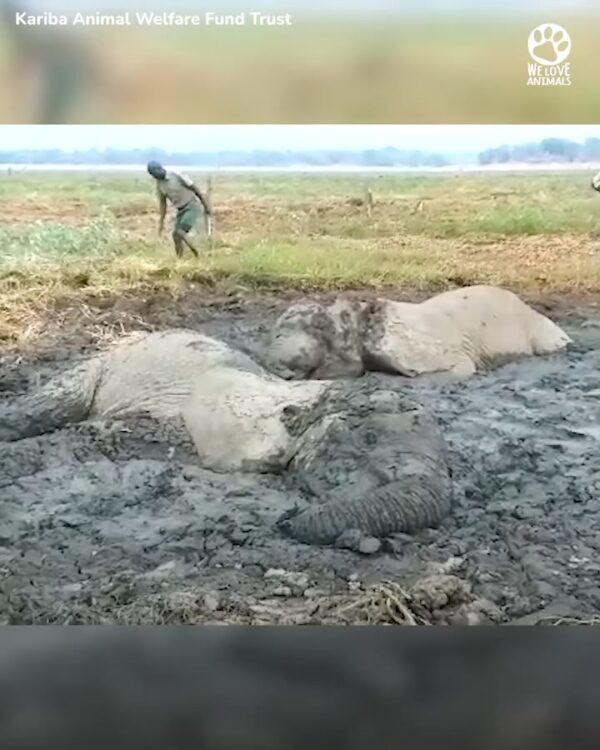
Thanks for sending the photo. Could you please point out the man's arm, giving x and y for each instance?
(162, 207)
(197, 192)
(201, 198)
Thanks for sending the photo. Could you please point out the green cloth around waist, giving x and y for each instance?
(187, 216)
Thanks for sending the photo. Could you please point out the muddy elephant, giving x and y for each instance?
(461, 331)
(365, 459)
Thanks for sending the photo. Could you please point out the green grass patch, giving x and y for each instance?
(55, 241)
(295, 228)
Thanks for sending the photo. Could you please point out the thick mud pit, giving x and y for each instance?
(104, 524)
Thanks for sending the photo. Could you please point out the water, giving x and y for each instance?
(310, 169)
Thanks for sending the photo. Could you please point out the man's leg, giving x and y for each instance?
(184, 223)
(178, 243)
(180, 238)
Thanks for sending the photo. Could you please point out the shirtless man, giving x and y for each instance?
(187, 199)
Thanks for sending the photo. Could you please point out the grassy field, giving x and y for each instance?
(72, 237)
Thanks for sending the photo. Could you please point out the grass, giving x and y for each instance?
(76, 235)
(54, 243)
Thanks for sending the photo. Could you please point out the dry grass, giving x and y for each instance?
(387, 603)
(570, 621)
(67, 238)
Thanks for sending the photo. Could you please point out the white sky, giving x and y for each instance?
(437, 138)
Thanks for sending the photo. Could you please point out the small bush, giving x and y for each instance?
(43, 240)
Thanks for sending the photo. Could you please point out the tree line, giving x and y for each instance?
(548, 150)
(258, 158)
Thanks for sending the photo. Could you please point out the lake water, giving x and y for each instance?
(307, 169)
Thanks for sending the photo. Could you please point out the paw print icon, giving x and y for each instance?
(549, 44)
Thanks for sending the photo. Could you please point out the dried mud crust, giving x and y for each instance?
(116, 523)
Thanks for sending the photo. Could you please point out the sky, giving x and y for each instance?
(208, 138)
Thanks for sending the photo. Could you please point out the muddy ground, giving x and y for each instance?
(98, 528)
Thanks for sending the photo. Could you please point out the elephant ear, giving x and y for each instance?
(407, 346)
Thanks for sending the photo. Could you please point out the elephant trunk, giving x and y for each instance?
(405, 505)
(61, 401)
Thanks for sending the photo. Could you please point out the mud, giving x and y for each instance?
(114, 523)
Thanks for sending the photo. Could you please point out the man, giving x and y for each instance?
(187, 199)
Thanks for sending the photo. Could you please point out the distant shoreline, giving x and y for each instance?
(310, 169)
